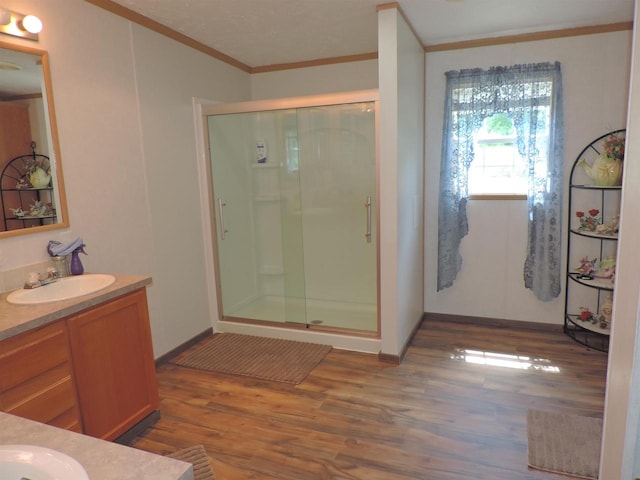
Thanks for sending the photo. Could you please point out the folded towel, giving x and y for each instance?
(56, 249)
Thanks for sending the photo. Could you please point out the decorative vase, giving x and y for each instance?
(39, 178)
(605, 171)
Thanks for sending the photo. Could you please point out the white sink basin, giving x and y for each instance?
(38, 463)
(63, 289)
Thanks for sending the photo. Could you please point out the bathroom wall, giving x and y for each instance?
(339, 77)
(123, 99)
(401, 167)
(619, 457)
(490, 284)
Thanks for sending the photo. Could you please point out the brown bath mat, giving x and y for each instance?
(273, 359)
(197, 456)
(566, 444)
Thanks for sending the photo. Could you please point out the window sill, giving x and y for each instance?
(498, 196)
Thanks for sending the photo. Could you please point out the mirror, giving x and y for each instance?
(32, 195)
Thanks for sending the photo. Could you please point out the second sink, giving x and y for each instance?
(38, 463)
(63, 289)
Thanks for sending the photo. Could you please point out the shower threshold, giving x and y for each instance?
(278, 309)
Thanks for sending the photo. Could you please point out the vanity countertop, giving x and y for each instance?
(102, 460)
(15, 319)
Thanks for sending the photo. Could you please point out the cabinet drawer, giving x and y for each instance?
(68, 420)
(32, 387)
(36, 377)
(49, 403)
(25, 356)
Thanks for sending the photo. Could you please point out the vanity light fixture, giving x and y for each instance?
(19, 25)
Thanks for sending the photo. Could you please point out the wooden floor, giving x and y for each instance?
(440, 415)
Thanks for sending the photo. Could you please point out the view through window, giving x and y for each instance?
(497, 167)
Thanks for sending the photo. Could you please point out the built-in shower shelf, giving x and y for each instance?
(271, 270)
(265, 165)
(266, 198)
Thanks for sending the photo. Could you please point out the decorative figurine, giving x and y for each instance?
(18, 212)
(609, 229)
(586, 268)
(607, 268)
(605, 312)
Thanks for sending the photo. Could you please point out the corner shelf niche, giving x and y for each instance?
(595, 293)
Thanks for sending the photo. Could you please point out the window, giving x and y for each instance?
(502, 133)
(497, 167)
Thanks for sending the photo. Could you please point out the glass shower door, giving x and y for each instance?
(338, 198)
(257, 216)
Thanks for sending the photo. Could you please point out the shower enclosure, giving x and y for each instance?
(294, 193)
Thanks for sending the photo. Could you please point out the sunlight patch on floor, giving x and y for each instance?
(505, 360)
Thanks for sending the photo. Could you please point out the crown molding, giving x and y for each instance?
(530, 37)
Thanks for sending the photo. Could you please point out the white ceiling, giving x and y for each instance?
(268, 32)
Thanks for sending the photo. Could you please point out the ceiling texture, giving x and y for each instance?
(259, 33)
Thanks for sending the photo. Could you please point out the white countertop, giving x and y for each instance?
(15, 319)
(102, 460)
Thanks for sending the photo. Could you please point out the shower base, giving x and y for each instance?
(271, 308)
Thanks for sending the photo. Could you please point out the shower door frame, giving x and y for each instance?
(253, 106)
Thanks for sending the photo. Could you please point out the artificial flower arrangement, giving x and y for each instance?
(614, 147)
(589, 223)
(602, 319)
(606, 169)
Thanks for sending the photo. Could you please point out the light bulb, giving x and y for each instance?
(32, 24)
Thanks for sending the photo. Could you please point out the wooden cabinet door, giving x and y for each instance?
(114, 365)
(36, 377)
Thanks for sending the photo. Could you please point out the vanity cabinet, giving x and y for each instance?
(36, 377)
(92, 371)
(114, 366)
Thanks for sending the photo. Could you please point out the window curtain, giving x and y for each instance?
(531, 95)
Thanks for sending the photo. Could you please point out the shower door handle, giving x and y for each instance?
(367, 205)
(221, 205)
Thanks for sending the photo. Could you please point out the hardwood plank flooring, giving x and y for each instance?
(454, 409)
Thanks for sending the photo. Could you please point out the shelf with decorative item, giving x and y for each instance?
(594, 207)
(591, 224)
(600, 236)
(27, 189)
(595, 187)
(28, 217)
(607, 152)
(265, 166)
(586, 333)
(599, 283)
(593, 325)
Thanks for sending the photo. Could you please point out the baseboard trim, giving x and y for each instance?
(492, 322)
(388, 358)
(162, 359)
(129, 437)
(397, 359)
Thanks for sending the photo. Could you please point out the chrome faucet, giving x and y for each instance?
(35, 279)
